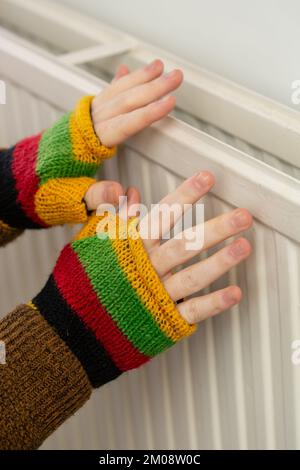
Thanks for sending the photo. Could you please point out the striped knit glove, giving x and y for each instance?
(45, 177)
(105, 300)
(102, 312)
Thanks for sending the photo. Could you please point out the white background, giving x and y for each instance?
(255, 43)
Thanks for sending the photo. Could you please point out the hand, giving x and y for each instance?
(129, 104)
(169, 255)
(48, 178)
(115, 296)
(132, 101)
(108, 192)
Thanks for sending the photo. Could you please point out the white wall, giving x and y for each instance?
(255, 42)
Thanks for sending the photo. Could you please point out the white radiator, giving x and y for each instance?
(232, 384)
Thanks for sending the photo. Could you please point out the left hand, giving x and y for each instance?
(128, 105)
(132, 101)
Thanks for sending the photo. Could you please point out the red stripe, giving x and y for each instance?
(75, 287)
(27, 182)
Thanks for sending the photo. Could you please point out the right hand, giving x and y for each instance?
(174, 252)
(115, 296)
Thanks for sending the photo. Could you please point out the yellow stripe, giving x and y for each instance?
(31, 305)
(86, 144)
(166, 315)
(60, 200)
(136, 264)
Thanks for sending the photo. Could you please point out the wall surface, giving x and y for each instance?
(253, 43)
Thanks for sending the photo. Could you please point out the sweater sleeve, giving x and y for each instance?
(42, 383)
(102, 312)
(43, 178)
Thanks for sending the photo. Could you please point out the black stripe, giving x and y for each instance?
(96, 362)
(11, 211)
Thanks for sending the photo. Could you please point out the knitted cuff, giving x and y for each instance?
(41, 384)
(36, 166)
(105, 300)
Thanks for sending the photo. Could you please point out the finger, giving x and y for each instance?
(176, 251)
(173, 206)
(117, 129)
(198, 309)
(138, 96)
(134, 199)
(121, 72)
(141, 75)
(200, 275)
(103, 192)
(130, 203)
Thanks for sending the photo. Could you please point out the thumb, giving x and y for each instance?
(103, 192)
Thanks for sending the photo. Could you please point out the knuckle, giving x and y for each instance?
(193, 313)
(170, 252)
(148, 116)
(127, 101)
(126, 133)
(156, 260)
(221, 227)
(225, 259)
(123, 127)
(217, 305)
(190, 280)
(100, 129)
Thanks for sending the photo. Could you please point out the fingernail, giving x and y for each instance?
(237, 249)
(170, 74)
(152, 65)
(229, 297)
(203, 179)
(240, 218)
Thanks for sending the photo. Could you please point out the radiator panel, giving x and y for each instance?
(231, 385)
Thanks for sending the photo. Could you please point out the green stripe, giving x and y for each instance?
(119, 297)
(55, 155)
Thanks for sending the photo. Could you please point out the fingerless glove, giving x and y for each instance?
(43, 178)
(102, 312)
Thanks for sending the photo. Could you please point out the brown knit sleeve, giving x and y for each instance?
(42, 383)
